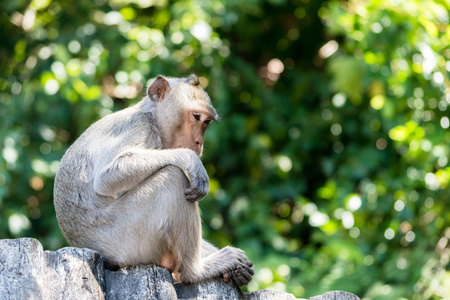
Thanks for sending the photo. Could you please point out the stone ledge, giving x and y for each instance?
(29, 272)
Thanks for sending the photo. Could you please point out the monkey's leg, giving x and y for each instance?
(149, 223)
(154, 224)
(184, 233)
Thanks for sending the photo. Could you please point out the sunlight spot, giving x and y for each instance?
(328, 49)
(59, 70)
(336, 129)
(410, 236)
(36, 183)
(45, 52)
(17, 223)
(278, 286)
(386, 289)
(381, 144)
(121, 77)
(445, 122)
(201, 31)
(438, 78)
(354, 232)
(10, 154)
(51, 87)
(39, 166)
(431, 181)
(284, 270)
(309, 208)
(389, 234)
(377, 102)
(430, 60)
(275, 66)
(318, 219)
(402, 263)
(376, 27)
(398, 133)
(265, 275)
(399, 205)
(368, 260)
(347, 219)
(74, 46)
(217, 222)
(338, 100)
(177, 37)
(285, 163)
(113, 18)
(354, 202)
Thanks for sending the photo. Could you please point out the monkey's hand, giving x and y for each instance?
(242, 275)
(199, 179)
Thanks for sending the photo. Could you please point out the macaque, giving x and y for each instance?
(128, 187)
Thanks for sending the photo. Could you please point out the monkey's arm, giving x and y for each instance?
(208, 249)
(133, 166)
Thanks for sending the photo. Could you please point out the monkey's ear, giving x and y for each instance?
(159, 89)
(193, 80)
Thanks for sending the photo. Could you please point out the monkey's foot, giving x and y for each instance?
(242, 275)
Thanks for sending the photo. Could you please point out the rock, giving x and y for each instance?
(213, 289)
(142, 282)
(29, 272)
(335, 295)
(268, 295)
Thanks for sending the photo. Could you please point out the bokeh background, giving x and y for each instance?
(330, 166)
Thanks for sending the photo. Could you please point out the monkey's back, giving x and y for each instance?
(78, 207)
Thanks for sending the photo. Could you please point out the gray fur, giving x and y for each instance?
(118, 191)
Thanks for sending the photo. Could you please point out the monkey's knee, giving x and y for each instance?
(172, 177)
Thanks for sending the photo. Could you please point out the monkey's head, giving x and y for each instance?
(183, 111)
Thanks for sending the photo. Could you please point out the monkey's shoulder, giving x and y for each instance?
(126, 123)
(130, 127)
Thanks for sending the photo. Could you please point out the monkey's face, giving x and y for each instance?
(189, 133)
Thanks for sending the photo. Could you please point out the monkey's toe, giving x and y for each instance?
(243, 274)
(226, 275)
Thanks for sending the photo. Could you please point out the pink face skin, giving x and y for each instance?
(190, 132)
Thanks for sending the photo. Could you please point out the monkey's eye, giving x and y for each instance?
(207, 122)
(197, 117)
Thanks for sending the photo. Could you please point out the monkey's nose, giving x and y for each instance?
(199, 140)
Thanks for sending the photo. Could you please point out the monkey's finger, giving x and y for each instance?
(193, 198)
(195, 190)
(191, 194)
(246, 274)
(243, 261)
(249, 263)
(190, 197)
(238, 278)
(190, 190)
(249, 269)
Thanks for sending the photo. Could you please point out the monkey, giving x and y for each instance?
(129, 187)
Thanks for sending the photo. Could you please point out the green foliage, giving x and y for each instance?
(330, 166)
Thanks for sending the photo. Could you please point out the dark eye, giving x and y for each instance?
(207, 122)
(197, 117)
